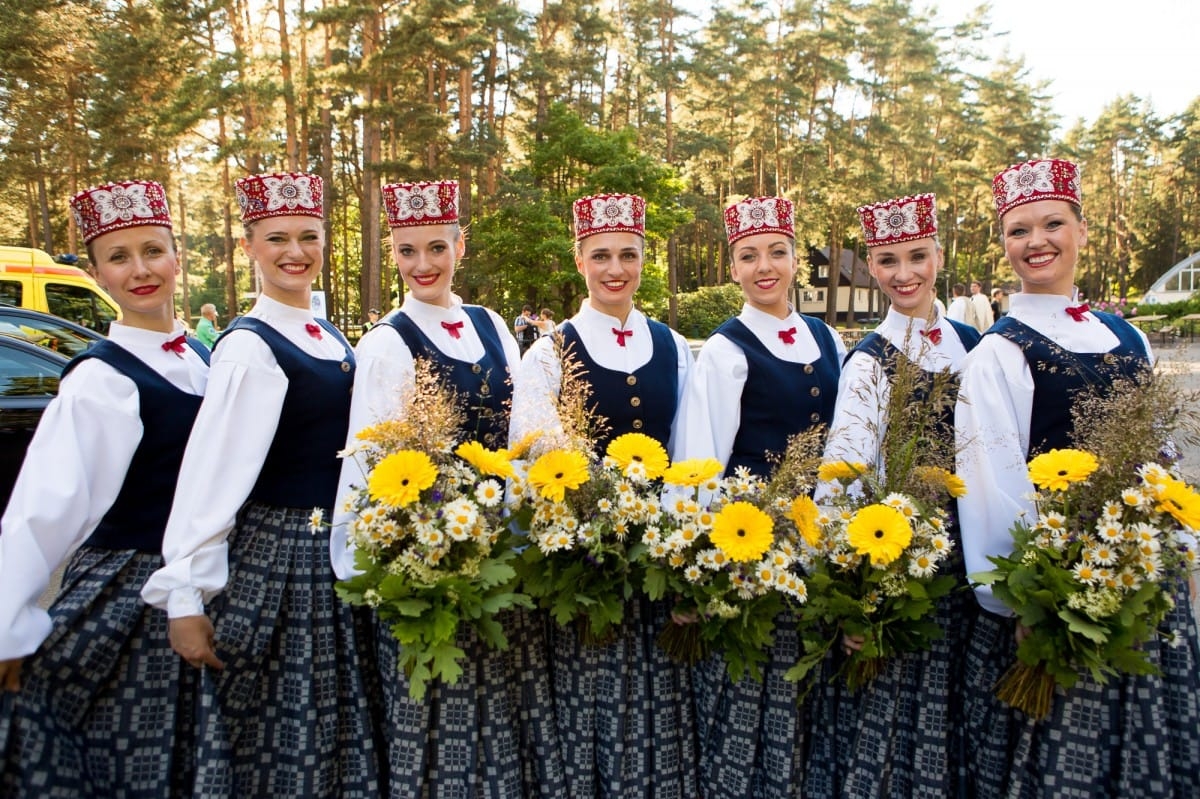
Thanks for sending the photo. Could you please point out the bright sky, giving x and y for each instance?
(1093, 52)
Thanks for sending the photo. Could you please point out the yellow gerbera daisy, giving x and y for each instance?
(1178, 499)
(639, 448)
(938, 477)
(742, 532)
(840, 470)
(804, 513)
(399, 478)
(1058, 469)
(556, 471)
(692, 472)
(484, 460)
(879, 532)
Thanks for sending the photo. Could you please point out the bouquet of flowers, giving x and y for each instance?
(1093, 571)
(874, 562)
(725, 551)
(876, 553)
(431, 533)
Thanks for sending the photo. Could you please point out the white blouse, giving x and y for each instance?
(992, 420)
(385, 365)
(711, 411)
(225, 453)
(535, 392)
(72, 473)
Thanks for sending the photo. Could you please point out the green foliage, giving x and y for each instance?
(702, 311)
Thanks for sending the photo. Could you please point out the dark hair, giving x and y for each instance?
(959, 289)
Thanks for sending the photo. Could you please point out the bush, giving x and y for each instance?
(702, 311)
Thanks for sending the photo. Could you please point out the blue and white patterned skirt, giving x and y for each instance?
(290, 713)
(626, 723)
(106, 707)
(752, 734)
(490, 735)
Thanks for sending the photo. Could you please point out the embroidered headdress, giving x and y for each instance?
(899, 220)
(759, 215)
(124, 204)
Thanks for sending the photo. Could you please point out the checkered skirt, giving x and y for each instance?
(106, 707)
(626, 724)
(752, 734)
(490, 735)
(290, 713)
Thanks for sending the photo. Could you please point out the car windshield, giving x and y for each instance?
(27, 374)
(45, 333)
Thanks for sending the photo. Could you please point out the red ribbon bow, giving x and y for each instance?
(934, 335)
(1076, 312)
(175, 345)
(314, 330)
(452, 328)
(788, 336)
(621, 335)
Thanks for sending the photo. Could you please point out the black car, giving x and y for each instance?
(52, 332)
(29, 376)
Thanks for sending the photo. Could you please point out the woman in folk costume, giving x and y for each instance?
(900, 735)
(763, 376)
(103, 707)
(624, 709)
(491, 734)
(286, 710)
(1135, 736)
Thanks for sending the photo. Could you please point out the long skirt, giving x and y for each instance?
(752, 734)
(1135, 736)
(289, 715)
(106, 708)
(626, 725)
(490, 735)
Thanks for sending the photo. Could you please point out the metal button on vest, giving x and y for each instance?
(635, 402)
(484, 390)
(637, 424)
(1109, 358)
(808, 368)
(345, 366)
(476, 368)
(815, 391)
(814, 418)
(631, 380)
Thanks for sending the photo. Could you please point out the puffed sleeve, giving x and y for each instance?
(711, 410)
(72, 473)
(225, 453)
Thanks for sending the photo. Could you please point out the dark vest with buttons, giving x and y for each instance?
(302, 466)
(768, 418)
(887, 354)
(138, 516)
(1055, 389)
(485, 384)
(640, 402)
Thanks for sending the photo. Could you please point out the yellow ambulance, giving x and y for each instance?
(30, 278)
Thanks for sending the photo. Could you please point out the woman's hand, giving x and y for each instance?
(1022, 633)
(852, 643)
(10, 674)
(192, 638)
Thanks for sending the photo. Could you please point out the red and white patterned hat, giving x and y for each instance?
(282, 194)
(1049, 179)
(899, 220)
(424, 203)
(759, 215)
(609, 213)
(115, 206)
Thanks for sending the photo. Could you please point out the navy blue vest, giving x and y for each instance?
(138, 516)
(485, 384)
(1055, 389)
(302, 466)
(779, 398)
(887, 355)
(642, 402)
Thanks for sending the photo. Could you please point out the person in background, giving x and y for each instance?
(1134, 735)
(492, 732)
(957, 312)
(206, 328)
(287, 710)
(903, 737)
(372, 319)
(526, 328)
(763, 376)
(104, 707)
(979, 310)
(545, 322)
(624, 709)
(997, 303)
